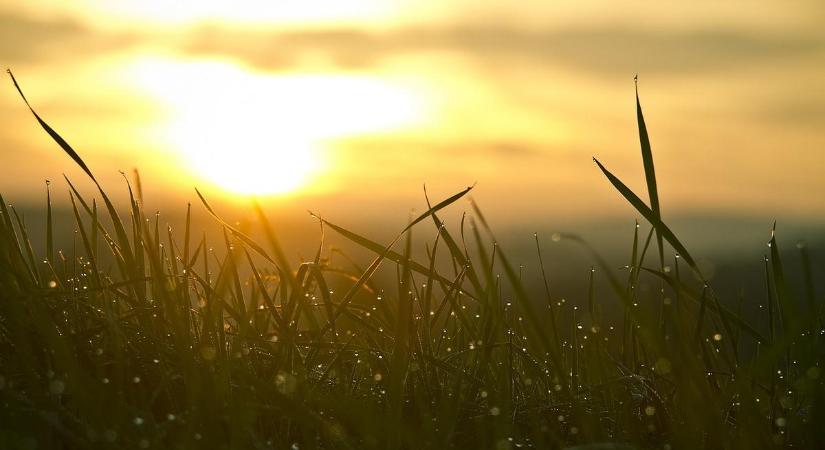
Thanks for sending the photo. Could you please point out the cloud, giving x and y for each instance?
(24, 39)
(604, 50)
(598, 50)
(431, 158)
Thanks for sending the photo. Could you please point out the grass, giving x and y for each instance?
(141, 338)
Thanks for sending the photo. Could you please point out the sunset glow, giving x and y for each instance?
(371, 99)
(253, 133)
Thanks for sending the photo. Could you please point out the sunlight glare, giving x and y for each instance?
(254, 133)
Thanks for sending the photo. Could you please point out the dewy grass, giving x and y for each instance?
(149, 339)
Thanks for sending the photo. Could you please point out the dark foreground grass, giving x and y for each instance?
(141, 338)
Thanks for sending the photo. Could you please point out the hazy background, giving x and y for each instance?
(348, 108)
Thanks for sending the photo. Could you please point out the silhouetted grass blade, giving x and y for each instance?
(368, 273)
(49, 226)
(650, 172)
(379, 249)
(236, 232)
(648, 214)
(57, 138)
(680, 286)
(787, 303)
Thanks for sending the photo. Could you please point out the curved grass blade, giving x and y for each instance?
(280, 256)
(455, 251)
(386, 251)
(716, 307)
(57, 138)
(27, 245)
(237, 233)
(651, 217)
(348, 297)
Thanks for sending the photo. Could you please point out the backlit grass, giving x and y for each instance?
(140, 337)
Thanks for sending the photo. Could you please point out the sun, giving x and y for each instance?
(247, 165)
(263, 134)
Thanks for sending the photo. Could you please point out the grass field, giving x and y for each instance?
(138, 337)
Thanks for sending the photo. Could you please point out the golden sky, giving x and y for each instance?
(335, 103)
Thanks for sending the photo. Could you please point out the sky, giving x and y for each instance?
(349, 108)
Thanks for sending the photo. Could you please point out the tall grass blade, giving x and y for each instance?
(787, 303)
(550, 306)
(49, 225)
(401, 350)
(650, 172)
